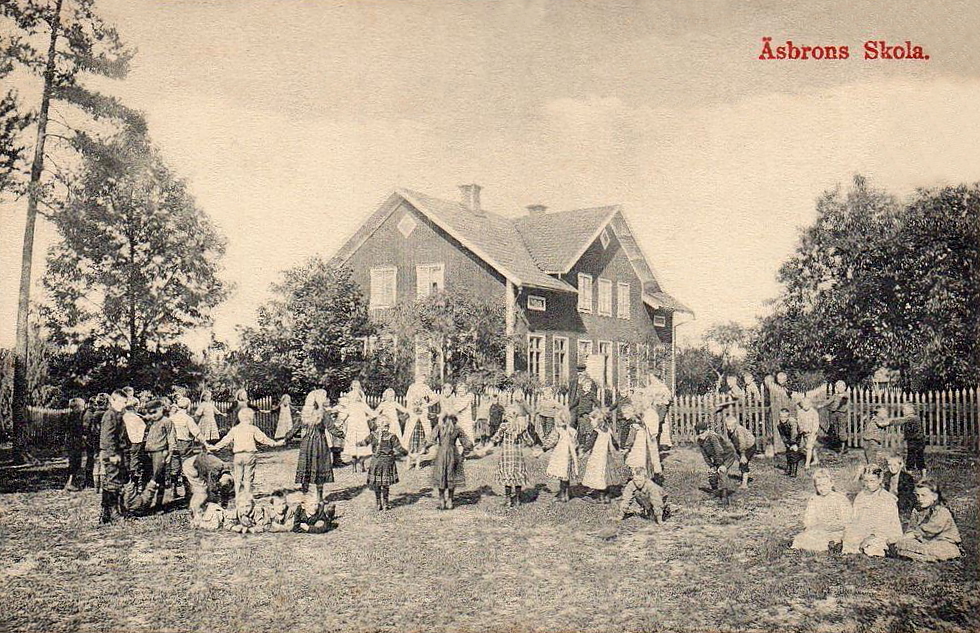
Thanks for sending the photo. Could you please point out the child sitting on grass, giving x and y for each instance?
(827, 514)
(643, 498)
(316, 520)
(932, 535)
(874, 523)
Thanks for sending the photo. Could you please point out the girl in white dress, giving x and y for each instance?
(644, 451)
(462, 406)
(417, 427)
(563, 464)
(827, 514)
(205, 413)
(389, 409)
(874, 523)
(604, 468)
(357, 414)
(285, 422)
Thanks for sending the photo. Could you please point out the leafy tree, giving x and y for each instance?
(138, 261)
(461, 335)
(309, 336)
(698, 370)
(60, 41)
(876, 283)
(12, 122)
(937, 289)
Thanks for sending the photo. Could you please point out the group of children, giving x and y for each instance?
(147, 445)
(873, 523)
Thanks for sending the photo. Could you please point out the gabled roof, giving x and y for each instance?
(556, 240)
(525, 250)
(490, 237)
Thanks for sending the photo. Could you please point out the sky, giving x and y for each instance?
(292, 120)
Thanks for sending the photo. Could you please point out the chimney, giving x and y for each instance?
(536, 209)
(470, 195)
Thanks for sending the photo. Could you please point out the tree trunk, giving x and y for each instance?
(20, 413)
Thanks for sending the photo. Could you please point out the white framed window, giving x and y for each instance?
(534, 302)
(384, 286)
(604, 238)
(406, 225)
(659, 320)
(605, 349)
(623, 306)
(585, 293)
(429, 278)
(559, 360)
(605, 297)
(584, 351)
(535, 355)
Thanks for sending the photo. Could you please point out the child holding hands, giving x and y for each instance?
(242, 438)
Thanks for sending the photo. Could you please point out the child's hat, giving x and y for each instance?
(183, 402)
(700, 426)
(724, 405)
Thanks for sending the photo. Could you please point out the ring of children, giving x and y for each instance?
(686, 543)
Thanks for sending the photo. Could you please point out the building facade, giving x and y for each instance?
(578, 278)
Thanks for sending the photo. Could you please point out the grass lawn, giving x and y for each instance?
(541, 567)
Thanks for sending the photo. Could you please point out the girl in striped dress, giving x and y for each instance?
(383, 472)
(605, 467)
(511, 467)
(417, 426)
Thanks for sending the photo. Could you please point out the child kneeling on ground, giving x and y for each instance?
(643, 498)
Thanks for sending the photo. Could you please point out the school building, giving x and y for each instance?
(578, 278)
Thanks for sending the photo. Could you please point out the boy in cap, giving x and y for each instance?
(720, 455)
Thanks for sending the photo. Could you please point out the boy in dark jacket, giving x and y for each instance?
(720, 456)
(113, 446)
(789, 430)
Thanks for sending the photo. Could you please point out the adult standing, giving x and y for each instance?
(779, 398)
(93, 426)
(583, 402)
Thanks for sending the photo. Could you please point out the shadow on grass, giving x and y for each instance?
(472, 497)
(345, 495)
(49, 475)
(411, 498)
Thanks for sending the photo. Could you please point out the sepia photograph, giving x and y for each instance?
(517, 316)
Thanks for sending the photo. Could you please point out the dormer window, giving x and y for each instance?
(659, 320)
(534, 302)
